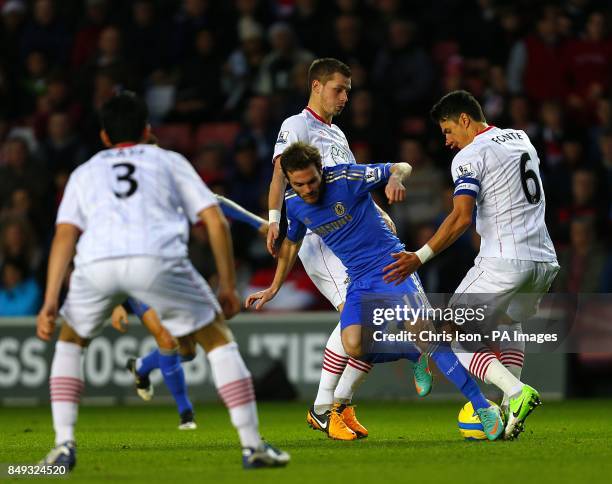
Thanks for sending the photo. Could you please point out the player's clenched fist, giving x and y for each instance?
(406, 263)
(260, 297)
(395, 190)
(45, 321)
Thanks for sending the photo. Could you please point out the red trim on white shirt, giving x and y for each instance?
(126, 144)
(319, 118)
(484, 130)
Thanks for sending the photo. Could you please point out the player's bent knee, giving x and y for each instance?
(166, 341)
(214, 335)
(351, 340)
(69, 335)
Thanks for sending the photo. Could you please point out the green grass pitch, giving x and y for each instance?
(409, 442)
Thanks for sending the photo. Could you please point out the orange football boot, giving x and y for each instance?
(350, 419)
(331, 423)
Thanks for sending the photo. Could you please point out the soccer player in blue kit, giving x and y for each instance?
(336, 204)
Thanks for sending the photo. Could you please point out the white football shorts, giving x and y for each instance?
(177, 292)
(324, 269)
(511, 286)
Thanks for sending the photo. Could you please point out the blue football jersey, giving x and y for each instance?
(346, 218)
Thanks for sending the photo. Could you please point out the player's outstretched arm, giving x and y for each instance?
(62, 251)
(221, 244)
(286, 258)
(454, 225)
(235, 211)
(395, 189)
(275, 204)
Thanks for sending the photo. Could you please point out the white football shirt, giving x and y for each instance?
(310, 128)
(500, 169)
(131, 201)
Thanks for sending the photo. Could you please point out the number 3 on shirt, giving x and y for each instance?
(533, 191)
(124, 174)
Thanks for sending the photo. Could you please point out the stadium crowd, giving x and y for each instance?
(219, 78)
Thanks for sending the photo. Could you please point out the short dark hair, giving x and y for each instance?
(124, 117)
(453, 104)
(322, 69)
(300, 156)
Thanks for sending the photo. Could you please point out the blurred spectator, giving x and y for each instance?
(257, 125)
(61, 150)
(160, 95)
(11, 29)
(367, 125)
(198, 97)
(55, 98)
(551, 134)
(111, 58)
(44, 32)
(558, 178)
(241, 70)
(495, 96)
(306, 20)
(605, 148)
(194, 16)
(585, 202)
(18, 170)
(521, 117)
(248, 178)
(209, 163)
(403, 72)
(22, 206)
(87, 35)
(601, 123)
(587, 63)
(34, 80)
(9, 102)
(18, 243)
(480, 16)
(582, 263)
(535, 63)
(146, 38)
(298, 94)
(422, 202)
(349, 43)
(275, 71)
(20, 294)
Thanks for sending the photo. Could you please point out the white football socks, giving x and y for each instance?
(235, 387)
(353, 376)
(66, 385)
(334, 363)
(512, 352)
(485, 365)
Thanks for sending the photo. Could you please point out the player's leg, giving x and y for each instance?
(393, 349)
(329, 276)
(522, 307)
(186, 305)
(66, 383)
(84, 312)
(235, 387)
(498, 280)
(323, 415)
(167, 358)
